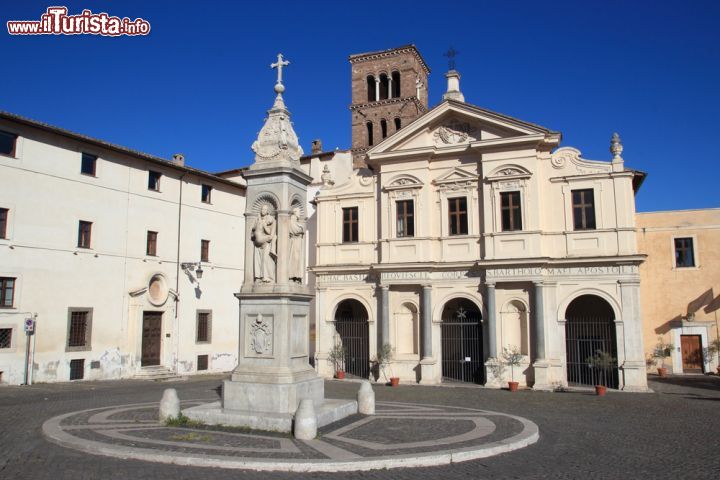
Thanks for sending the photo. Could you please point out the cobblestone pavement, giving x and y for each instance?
(672, 432)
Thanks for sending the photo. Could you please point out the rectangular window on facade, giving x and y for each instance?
(204, 250)
(350, 224)
(77, 369)
(511, 213)
(79, 325)
(6, 337)
(204, 320)
(206, 193)
(87, 166)
(154, 180)
(202, 362)
(684, 252)
(84, 234)
(4, 213)
(7, 143)
(405, 216)
(583, 206)
(151, 247)
(7, 292)
(457, 213)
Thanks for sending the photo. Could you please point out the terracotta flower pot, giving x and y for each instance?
(662, 371)
(600, 390)
(340, 375)
(394, 381)
(513, 386)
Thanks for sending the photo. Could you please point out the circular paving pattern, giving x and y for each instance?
(398, 435)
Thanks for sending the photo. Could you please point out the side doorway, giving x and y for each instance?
(691, 350)
(151, 339)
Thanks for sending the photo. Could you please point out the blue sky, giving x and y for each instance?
(200, 83)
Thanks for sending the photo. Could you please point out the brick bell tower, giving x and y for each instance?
(389, 90)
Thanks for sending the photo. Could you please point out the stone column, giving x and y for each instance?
(426, 323)
(377, 89)
(539, 321)
(630, 338)
(490, 305)
(384, 329)
(390, 95)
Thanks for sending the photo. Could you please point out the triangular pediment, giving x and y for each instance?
(455, 176)
(453, 125)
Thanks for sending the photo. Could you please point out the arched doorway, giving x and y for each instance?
(463, 359)
(351, 324)
(589, 328)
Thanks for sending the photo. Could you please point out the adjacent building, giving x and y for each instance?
(681, 285)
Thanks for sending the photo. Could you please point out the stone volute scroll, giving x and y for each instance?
(296, 258)
(263, 238)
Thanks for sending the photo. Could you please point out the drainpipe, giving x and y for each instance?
(177, 278)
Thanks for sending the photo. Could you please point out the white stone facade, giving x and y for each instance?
(521, 281)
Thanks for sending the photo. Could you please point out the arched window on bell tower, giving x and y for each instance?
(383, 128)
(371, 88)
(397, 124)
(384, 86)
(369, 126)
(395, 84)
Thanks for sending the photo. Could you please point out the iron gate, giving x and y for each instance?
(354, 334)
(462, 343)
(584, 336)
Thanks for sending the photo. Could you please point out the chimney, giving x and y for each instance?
(179, 159)
(453, 87)
(317, 146)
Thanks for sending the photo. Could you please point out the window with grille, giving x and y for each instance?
(203, 327)
(4, 213)
(77, 369)
(151, 247)
(457, 213)
(583, 205)
(202, 362)
(87, 166)
(7, 143)
(79, 325)
(684, 253)
(6, 337)
(511, 213)
(7, 292)
(84, 234)
(206, 193)
(204, 250)
(350, 224)
(154, 180)
(405, 216)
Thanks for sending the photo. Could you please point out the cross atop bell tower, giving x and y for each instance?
(389, 90)
(279, 87)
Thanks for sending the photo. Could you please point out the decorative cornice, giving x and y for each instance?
(362, 57)
(390, 101)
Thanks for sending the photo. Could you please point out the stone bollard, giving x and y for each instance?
(366, 399)
(305, 421)
(169, 405)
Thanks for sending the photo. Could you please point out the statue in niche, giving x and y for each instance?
(296, 263)
(263, 237)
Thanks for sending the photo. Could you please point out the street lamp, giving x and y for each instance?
(193, 266)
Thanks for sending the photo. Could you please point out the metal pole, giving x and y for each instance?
(27, 356)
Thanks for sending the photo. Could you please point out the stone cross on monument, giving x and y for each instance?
(279, 65)
(273, 374)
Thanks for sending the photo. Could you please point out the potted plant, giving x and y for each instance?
(511, 356)
(382, 358)
(336, 356)
(712, 350)
(600, 363)
(661, 352)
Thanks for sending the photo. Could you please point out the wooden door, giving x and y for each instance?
(691, 348)
(151, 335)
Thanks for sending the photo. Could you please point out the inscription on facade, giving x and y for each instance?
(562, 271)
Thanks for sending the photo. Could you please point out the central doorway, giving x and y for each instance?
(589, 329)
(351, 324)
(151, 336)
(463, 358)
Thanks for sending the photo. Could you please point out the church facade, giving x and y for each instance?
(468, 236)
